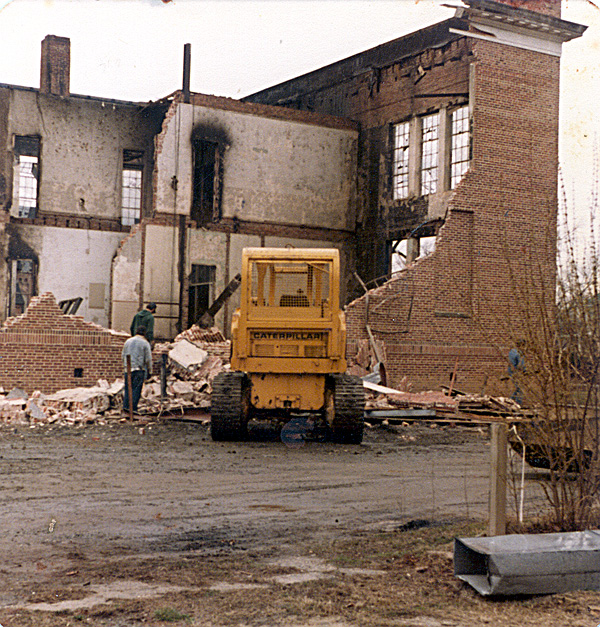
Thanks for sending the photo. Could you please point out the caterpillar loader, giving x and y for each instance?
(288, 347)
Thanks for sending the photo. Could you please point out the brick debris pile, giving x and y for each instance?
(194, 358)
(192, 361)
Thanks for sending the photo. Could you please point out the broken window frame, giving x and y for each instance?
(438, 154)
(460, 144)
(131, 186)
(401, 160)
(405, 251)
(201, 290)
(23, 276)
(206, 181)
(26, 174)
(430, 153)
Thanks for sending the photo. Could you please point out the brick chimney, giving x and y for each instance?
(56, 66)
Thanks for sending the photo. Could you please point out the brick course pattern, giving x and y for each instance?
(452, 310)
(43, 349)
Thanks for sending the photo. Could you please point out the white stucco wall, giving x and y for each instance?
(125, 281)
(160, 280)
(82, 143)
(273, 170)
(72, 262)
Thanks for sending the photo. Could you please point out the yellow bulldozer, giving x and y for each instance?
(288, 347)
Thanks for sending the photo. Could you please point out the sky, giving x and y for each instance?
(133, 50)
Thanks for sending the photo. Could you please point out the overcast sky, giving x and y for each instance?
(133, 50)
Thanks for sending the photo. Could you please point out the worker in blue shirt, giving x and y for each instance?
(140, 354)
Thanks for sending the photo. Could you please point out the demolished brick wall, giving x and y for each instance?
(453, 309)
(45, 350)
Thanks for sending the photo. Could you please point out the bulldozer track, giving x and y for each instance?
(228, 412)
(349, 403)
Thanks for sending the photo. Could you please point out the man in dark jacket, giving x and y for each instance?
(145, 318)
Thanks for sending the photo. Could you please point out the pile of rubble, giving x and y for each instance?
(383, 401)
(183, 374)
(65, 407)
(380, 397)
(192, 361)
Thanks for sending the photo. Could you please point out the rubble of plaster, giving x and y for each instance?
(195, 358)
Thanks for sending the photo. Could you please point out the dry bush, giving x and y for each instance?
(559, 341)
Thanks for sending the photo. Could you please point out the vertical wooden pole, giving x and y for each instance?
(453, 378)
(497, 526)
(129, 387)
(163, 378)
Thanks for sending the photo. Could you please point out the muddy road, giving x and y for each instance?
(81, 505)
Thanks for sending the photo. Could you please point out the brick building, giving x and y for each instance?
(418, 142)
(458, 146)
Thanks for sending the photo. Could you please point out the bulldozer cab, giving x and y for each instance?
(289, 318)
(289, 286)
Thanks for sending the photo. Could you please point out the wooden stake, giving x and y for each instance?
(129, 387)
(453, 379)
(497, 525)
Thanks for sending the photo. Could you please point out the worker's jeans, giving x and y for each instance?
(137, 381)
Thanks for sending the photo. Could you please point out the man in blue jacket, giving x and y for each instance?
(516, 370)
(140, 355)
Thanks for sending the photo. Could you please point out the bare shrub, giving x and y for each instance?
(557, 335)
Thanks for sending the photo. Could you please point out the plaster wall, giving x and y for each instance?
(224, 251)
(82, 144)
(125, 281)
(71, 263)
(273, 170)
(160, 278)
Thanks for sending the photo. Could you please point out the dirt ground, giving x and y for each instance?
(149, 524)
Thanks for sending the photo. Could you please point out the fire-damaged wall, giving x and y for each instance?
(229, 175)
(446, 313)
(45, 350)
(65, 211)
(449, 118)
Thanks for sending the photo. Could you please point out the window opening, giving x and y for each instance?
(22, 285)
(408, 250)
(70, 305)
(460, 146)
(205, 181)
(401, 140)
(429, 153)
(131, 187)
(26, 174)
(200, 291)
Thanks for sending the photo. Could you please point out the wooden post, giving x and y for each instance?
(129, 387)
(163, 378)
(453, 378)
(497, 526)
